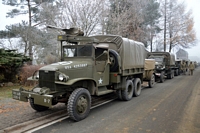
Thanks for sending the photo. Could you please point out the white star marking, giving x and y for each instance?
(100, 81)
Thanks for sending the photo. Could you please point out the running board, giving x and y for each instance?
(103, 92)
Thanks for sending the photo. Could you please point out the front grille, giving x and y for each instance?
(46, 79)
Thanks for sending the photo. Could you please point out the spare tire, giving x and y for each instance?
(113, 55)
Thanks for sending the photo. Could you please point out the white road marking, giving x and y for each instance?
(63, 118)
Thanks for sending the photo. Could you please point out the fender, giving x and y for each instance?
(149, 75)
(73, 81)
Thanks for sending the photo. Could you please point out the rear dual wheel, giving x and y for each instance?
(132, 89)
(137, 87)
(127, 94)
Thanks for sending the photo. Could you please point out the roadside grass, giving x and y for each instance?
(6, 91)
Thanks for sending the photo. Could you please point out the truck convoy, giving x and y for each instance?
(165, 65)
(89, 66)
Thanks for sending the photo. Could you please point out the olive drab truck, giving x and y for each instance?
(165, 65)
(89, 66)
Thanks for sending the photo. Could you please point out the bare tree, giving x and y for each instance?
(181, 30)
(178, 25)
(84, 14)
(125, 18)
(134, 19)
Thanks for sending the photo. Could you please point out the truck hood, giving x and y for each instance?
(67, 65)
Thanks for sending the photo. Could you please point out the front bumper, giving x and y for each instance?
(24, 95)
(158, 74)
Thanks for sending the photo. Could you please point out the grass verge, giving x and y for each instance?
(6, 91)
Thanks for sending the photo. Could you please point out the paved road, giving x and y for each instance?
(169, 107)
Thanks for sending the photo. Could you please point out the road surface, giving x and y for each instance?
(169, 107)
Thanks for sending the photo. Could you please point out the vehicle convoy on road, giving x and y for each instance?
(149, 73)
(89, 66)
(165, 65)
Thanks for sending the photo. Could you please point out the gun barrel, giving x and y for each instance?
(53, 27)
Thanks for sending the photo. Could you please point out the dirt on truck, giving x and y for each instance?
(90, 66)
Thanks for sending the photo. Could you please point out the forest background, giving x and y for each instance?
(162, 25)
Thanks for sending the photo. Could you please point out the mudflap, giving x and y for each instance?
(24, 95)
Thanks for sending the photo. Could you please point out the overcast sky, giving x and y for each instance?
(191, 4)
(194, 5)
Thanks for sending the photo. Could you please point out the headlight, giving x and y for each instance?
(36, 75)
(63, 77)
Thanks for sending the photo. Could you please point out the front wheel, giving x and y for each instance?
(176, 73)
(36, 107)
(171, 75)
(79, 104)
(162, 77)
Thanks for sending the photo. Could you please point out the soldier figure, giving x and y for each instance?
(191, 68)
(183, 67)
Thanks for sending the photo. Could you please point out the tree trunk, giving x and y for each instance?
(29, 34)
(165, 21)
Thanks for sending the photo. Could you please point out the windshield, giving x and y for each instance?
(77, 51)
(157, 59)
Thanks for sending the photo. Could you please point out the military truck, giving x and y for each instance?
(89, 66)
(165, 65)
(149, 72)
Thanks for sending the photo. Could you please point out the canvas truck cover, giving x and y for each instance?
(149, 64)
(170, 56)
(132, 53)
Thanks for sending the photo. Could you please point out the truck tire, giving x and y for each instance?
(127, 94)
(171, 75)
(151, 82)
(114, 60)
(36, 107)
(137, 87)
(79, 103)
(176, 72)
(162, 77)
